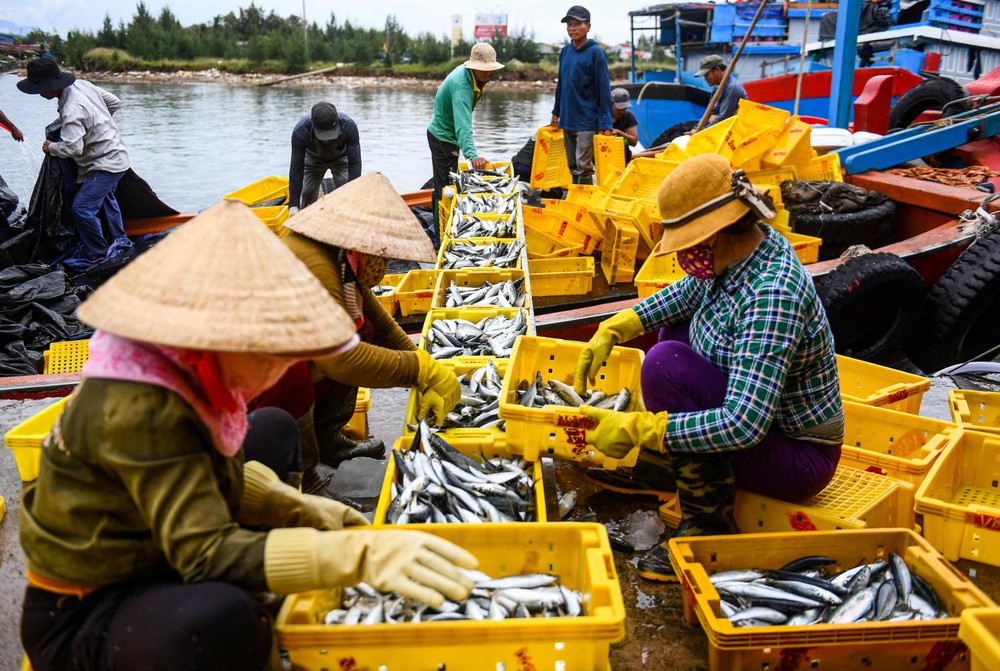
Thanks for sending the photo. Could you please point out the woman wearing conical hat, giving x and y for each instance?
(147, 533)
(345, 239)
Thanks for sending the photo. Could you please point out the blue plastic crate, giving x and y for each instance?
(958, 7)
(953, 20)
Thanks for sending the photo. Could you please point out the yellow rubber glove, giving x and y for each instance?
(269, 502)
(614, 330)
(439, 388)
(413, 564)
(617, 433)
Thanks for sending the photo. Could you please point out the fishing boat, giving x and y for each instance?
(952, 42)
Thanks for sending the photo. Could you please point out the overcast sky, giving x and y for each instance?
(610, 20)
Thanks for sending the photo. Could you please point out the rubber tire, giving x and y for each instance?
(873, 302)
(932, 94)
(674, 131)
(848, 228)
(963, 308)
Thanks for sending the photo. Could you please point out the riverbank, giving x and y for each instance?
(517, 77)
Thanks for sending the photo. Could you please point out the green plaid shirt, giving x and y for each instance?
(762, 324)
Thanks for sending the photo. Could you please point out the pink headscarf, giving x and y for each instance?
(193, 375)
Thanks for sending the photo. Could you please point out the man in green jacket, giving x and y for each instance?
(450, 128)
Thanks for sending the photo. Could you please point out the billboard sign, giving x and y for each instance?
(488, 25)
(456, 29)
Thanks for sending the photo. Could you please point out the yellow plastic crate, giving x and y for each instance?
(878, 645)
(550, 222)
(749, 147)
(888, 442)
(476, 278)
(561, 277)
(621, 244)
(823, 168)
(792, 147)
(479, 242)
(549, 168)
(642, 178)
(715, 139)
(506, 167)
(578, 553)
(673, 152)
(414, 293)
(979, 410)
(582, 194)
(854, 499)
(473, 315)
(638, 214)
(772, 175)
(960, 498)
(472, 445)
(573, 223)
(609, 159)
(871, 384)
(261, 191)
(541, 245)
(357, 426)
(274, 218)
(449, 228)
(656, 273)
(461, 439)
(806, 246)
(67, 356)
(25, 439)
(753, 115)
(980, 631)
(390, 301)
(556, 430)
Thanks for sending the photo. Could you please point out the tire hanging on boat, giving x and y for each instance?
(873, 303)
(839, 230)
(932, 94)
(963, 308)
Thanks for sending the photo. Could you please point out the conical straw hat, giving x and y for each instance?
(366, 215)
(222, 282)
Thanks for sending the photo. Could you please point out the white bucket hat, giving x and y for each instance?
(483, 57)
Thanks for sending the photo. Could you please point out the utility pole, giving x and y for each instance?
(305, 31)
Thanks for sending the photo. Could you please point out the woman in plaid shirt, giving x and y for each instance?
(742, 388)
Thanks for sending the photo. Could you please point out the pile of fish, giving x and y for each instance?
(437, 483)
(490, 336)
(514, 596)
(479, 407)
(475, 226)
(802, 593)
(509, 294)
(490, 203)
(538, 394)
(382, 289)
(459, 255)
(483, 181)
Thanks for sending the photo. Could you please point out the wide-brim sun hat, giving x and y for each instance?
(483, 57)
(44, 75)
(222, 282)
(702, 196)
(366, 215)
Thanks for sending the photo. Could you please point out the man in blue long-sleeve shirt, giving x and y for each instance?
(583, 95)
(323, 140)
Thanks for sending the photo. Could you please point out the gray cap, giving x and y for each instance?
(577, 12)
(620, 99)
(325, 121)
(709, 63)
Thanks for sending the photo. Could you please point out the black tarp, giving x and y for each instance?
(41, 284)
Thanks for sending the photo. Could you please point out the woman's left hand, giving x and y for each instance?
(618, 433)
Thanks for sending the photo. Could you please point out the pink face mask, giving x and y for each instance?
(697, 261)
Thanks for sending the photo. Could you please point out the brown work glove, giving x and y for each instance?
(413, 564)
(269, 502)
